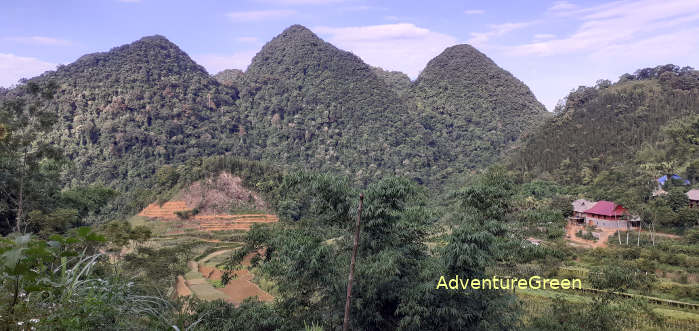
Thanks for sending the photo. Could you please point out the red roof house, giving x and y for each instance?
(606, 214)
(606, 208)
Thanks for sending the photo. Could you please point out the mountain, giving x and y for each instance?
(396, 80)
(124, 113)
(231, 77)
(642, 121)
(475, 107)
(311, 105)
(302, 103)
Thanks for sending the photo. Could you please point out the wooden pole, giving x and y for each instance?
(345, 326)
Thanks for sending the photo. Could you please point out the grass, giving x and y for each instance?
(538, 302)
(677, 314)
(549, 294)
(216, 283)
(193, 275)
(265, 284)
(207, 292)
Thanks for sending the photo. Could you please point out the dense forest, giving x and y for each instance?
(612, 141)
(462, 172)
(476, 108)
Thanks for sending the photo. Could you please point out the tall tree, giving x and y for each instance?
(27, 158)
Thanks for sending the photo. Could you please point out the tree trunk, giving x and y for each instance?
(345, 325)
(20, 200)
(618, 233)
(640, 225)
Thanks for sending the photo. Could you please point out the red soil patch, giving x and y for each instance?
(241, 286)
(216, 195)
(571, 229)
(166, 211)
(212, 197)
(181, 288)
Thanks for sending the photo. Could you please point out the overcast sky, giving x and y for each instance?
(553, 46)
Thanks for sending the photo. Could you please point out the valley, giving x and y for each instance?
(140, 192)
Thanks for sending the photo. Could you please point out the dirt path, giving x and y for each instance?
(580, 242)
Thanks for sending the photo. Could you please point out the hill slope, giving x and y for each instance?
(302, 103)
(606, 126)
(125, 112)
(308, 104)
(472, 105)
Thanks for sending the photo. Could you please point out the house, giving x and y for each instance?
(693, 196)
(579, 208)
(607, 214)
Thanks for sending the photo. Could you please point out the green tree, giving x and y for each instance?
(26, 153)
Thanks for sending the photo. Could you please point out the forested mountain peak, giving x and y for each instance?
(311, 104)
(463, 68)
(298, 32)
(151, 57)
(474, 105)
(455, 61)
(124, 113)
(298, 51)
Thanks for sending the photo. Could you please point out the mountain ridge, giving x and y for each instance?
(302, 102)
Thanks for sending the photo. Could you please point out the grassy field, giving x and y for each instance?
(539, 302)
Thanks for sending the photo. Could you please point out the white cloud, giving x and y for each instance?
(215, 63)
(247, 39)
(540, 36)
(39, 40)
(13, 68)
(496, 30)
(474, 12)
(618, 24)
(562, 6)
(402, 46)
(302, 2)
(358, 8)
(259, 15)
(602, 42)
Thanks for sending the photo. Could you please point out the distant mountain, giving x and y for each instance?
(125, 112)
(396, 80)
(475, 107)
(231, 77)
(608, 125)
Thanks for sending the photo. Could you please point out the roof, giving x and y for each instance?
(581, 205)
(663, 179)
(606, 208)
(693, 194)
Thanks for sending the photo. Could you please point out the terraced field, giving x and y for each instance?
(198, 282)
(215, 222)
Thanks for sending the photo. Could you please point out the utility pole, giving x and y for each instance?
(345, 326)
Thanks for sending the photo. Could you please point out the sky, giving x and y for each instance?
(552, 46)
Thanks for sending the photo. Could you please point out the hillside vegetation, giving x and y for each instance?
(472, 107)
(610, 138)
(123, 114)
